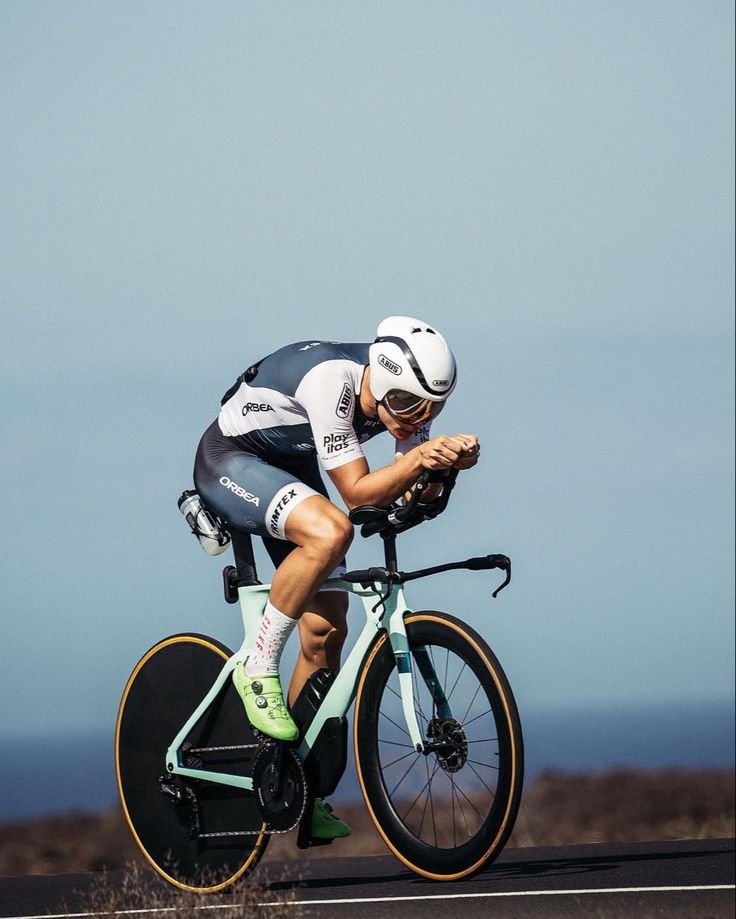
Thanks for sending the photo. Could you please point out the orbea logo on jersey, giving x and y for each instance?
(342, 409)
(389, 364)
(240, 491)
(257, 407)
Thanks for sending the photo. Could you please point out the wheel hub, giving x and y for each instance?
(449, 743)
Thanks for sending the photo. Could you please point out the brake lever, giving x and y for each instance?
(507, 579)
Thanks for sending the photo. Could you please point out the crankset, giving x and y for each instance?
(280, 787)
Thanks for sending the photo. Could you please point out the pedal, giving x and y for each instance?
(303, 838)
(312, 843)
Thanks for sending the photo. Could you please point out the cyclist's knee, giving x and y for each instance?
(331, 535)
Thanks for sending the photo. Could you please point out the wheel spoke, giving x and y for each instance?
(488, 712)
(482, 817)
(478, 763)
(467, 710)
(462, 670)
(421, 792)
(431, 801)
(403, 730)
(492, 793)
(424, 814)
(452, 799)
(411, 766)
(400, 758)
(455, 790)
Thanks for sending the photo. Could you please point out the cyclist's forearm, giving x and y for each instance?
(385, 485)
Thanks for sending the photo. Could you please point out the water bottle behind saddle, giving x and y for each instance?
(208, 528)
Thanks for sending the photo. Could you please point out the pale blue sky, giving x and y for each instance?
(187, 186)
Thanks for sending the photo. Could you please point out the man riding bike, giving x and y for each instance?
(256, 468)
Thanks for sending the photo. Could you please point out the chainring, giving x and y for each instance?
(280, 812)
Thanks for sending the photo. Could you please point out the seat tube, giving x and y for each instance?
(396, 609)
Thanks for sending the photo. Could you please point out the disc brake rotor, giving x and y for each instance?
(281, 809)
(450, 734)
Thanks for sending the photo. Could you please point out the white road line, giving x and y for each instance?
(448, 896)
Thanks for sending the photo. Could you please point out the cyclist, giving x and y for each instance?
(256, 467)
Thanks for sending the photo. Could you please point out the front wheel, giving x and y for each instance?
(448, 811)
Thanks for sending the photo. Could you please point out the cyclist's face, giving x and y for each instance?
(397, 428)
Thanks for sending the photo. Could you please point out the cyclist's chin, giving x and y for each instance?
(395, 428)
(402, 431)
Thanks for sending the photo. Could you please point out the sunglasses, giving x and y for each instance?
(411, 409)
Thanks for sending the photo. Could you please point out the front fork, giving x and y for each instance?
(396, 609)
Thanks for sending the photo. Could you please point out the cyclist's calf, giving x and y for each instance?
(323, 630)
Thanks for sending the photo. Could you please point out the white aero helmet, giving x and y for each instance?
(412, 369)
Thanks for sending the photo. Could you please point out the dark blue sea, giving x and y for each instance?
(57, 774)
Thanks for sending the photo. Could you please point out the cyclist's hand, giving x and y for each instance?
(441, 452)
(471, 451)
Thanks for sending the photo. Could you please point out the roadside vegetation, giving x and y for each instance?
(557, 809)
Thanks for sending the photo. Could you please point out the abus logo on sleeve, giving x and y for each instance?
(389, 364)
(345, 402)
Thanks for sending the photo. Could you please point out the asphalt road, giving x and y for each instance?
(693, 879)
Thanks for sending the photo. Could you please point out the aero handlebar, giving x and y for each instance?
(388, 521)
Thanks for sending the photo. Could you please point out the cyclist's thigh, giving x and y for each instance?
(278, 549)
(244, 490)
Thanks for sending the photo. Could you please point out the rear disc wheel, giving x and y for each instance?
(165, 688)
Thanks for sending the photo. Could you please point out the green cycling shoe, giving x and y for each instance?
(264, 704)
(325, 824)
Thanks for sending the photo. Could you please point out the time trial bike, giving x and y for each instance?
(436, 732)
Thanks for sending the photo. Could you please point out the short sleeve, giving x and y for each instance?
(327, 394)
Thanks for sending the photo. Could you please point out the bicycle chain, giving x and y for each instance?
(191, 796)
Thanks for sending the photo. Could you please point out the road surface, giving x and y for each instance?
(693, 879)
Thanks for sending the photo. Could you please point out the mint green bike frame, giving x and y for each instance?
(385, 614)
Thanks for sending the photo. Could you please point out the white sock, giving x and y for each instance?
(272, 636)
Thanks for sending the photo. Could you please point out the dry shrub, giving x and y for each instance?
(626, 806)
(556, 809)
(138, 889)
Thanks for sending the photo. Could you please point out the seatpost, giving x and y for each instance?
(389, 548)
(245, 562)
